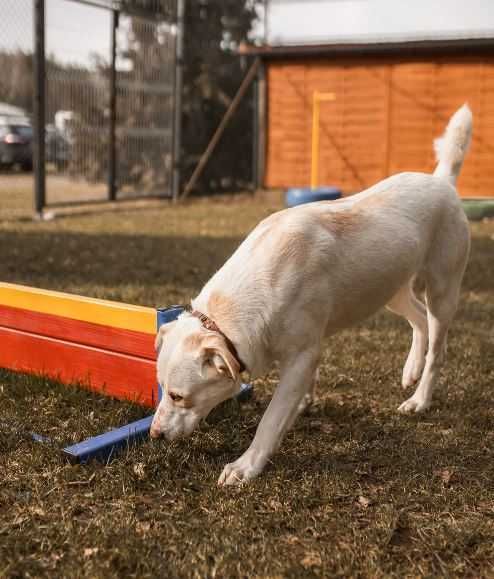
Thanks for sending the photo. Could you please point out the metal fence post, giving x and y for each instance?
(177, 120)
(39, 107)
(112, 143)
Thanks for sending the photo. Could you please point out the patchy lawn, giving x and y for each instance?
(356, 489)
(17, 192)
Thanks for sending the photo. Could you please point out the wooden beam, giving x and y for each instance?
(129, 342)
(110, 373)
(249, 77)
(102, 312)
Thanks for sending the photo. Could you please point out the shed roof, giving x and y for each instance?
(460, 47)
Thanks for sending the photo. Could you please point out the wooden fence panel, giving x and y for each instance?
(384, 120)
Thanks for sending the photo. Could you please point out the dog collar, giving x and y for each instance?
(210, 324)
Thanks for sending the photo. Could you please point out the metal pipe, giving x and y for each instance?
(39, 108)
(112, 141)
(177, 118)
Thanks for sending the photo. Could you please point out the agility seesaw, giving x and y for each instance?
(107, 347)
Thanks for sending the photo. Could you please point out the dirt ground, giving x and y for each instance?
(356, 490)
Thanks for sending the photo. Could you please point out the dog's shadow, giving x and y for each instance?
(351, 442)
(363, 445)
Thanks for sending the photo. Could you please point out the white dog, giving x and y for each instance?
(307, 272)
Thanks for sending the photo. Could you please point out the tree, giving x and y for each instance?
(212, 74)
(16, 87)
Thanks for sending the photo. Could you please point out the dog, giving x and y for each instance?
(307, 272)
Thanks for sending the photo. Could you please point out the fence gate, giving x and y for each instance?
(144, 105)
(109, 99)
(16, 95)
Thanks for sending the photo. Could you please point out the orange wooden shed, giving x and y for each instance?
(392, 100)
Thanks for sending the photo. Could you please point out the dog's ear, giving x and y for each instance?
(160, 337)
(215, 352)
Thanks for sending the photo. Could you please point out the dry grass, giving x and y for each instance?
(356, 490)
(17, 190)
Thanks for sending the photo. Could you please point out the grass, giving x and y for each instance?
(356, 489)
(17, 190)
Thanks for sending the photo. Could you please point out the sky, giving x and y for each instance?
(75, 31)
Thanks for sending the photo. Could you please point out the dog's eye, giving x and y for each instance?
(175, 397)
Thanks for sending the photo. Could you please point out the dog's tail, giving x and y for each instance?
(452, 147)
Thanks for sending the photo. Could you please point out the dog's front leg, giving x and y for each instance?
(296, 381)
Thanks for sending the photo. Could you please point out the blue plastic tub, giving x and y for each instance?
(300, 195)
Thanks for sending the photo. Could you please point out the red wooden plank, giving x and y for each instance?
(113, 374)
(86, 333)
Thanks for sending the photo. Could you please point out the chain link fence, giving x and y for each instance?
(77, 100)
(145, 105)
(108, 76)
(16, 90)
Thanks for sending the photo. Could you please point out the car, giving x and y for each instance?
(16, 142)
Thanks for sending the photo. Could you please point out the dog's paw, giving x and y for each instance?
(239, 472)
(414, 405)
(412, 371)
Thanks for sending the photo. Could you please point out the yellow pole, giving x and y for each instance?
(317, 98)
(315, 141)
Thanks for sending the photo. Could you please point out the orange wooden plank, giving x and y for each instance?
(113, 374)
(85, 333)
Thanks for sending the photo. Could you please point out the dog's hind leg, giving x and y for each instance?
(443, 280)
(441, 308)
(405, 303)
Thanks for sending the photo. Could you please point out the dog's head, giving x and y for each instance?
(196, 371)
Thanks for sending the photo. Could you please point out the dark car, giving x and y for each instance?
(16, 144)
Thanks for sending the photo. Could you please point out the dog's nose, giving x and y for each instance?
(154, 431)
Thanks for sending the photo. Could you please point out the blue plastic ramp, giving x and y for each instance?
(105, 446)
